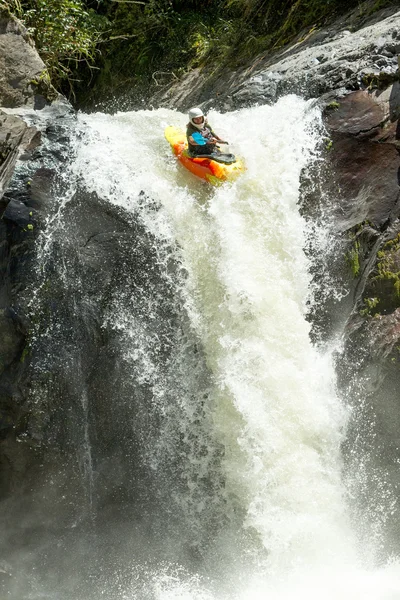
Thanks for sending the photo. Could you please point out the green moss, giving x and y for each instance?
(44, 87)
(369, 305)
(353, 258)
(25, 353)
(332, 106)
(379, 81)
(386, 269)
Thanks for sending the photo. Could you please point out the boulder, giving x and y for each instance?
(20, 65)
(364, 156)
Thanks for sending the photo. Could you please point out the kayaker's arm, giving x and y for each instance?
(218, 139)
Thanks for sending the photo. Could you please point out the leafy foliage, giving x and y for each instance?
(140, 39)
(175, 35)
(65, 34)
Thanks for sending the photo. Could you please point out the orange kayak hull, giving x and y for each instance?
(205, 168)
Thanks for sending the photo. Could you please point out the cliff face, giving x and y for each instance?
(20, 68)
(19, 65)
(364, 156)
(318, 64)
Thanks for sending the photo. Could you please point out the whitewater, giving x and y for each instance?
(260, 482)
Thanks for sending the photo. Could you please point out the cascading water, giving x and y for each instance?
(237, 424)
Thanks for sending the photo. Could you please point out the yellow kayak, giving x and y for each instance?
(206, 168)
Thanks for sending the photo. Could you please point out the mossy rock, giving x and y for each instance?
(379, 81)
(362, 237)
(332, 107)
(43, 87)
(384, 280)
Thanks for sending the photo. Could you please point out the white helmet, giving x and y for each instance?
(193, 114)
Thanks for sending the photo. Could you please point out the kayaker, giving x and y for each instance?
(205, 144)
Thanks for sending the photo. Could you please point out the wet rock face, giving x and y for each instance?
(99, 273)
(81, 280)
(25, 205)
(364, 153)
(24, 202)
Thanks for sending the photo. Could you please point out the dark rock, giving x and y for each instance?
(394, 102)
(28, 200)
(18, 213)
(364, 156)
(389, 52)
(40, 187)
(357, 113)
(11, 341)
(15, 137)
(369, 374)
(6, 423)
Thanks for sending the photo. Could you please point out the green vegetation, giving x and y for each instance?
(370, 304)
(44, 85)
(353, 258)
(156, 40)
(332, 106)
(379, 81)
(388, 267)
(384, 285)
(25, 353)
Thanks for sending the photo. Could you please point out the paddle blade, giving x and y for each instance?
(198, 138)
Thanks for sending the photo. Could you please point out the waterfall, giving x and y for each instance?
(234, 468)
